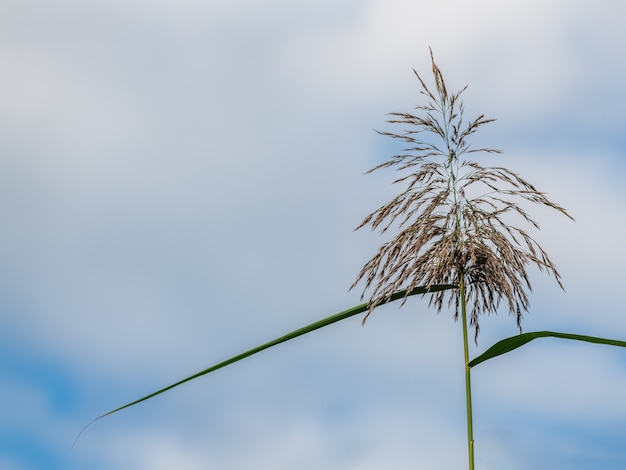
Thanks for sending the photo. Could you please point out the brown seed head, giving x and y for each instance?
(453, 216)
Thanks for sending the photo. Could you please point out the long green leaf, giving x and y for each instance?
(294, 334)
(509, 344)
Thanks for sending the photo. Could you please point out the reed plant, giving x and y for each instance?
(459, 239)
(454, 220)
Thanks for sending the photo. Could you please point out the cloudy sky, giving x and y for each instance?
(180, 181)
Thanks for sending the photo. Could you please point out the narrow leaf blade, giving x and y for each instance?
(289, 336)
(509, 344)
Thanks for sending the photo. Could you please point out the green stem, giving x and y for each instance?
(468, 383)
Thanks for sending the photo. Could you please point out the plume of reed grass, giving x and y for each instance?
(453, 215)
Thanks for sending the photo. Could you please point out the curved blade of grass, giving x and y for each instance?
(509, 344)
(294, 334)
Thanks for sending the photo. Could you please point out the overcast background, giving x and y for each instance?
(180, 181)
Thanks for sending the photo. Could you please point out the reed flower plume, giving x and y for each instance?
(454, 216)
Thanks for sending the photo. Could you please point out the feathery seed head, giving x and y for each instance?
(451, 215)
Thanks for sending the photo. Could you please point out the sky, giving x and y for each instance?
(180, 181)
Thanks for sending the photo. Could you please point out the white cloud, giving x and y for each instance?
(382, 438)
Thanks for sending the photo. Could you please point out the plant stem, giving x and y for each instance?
(468, 383)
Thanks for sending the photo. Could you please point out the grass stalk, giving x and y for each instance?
(468, 381)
